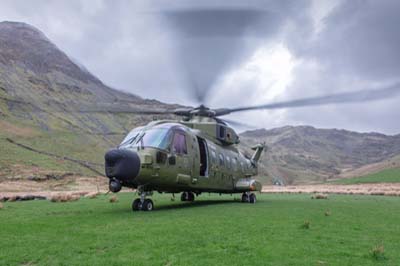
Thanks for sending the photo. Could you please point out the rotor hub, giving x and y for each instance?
(202, 111)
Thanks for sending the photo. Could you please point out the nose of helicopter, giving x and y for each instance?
(122, 164)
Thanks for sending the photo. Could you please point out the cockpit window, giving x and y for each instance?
(179, 143)
(153, 137)
(131, 137)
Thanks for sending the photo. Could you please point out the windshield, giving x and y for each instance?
(131, 137)
(154, 137)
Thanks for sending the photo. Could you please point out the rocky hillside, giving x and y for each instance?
(306, 154)
(42, 95)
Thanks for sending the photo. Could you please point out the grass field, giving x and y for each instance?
(385, 176)
(279, 229)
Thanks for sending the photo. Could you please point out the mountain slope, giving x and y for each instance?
(306, 154)
(41, 93)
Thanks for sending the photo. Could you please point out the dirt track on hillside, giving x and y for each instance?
(387, 189)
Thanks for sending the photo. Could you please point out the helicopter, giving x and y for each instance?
(194, 155)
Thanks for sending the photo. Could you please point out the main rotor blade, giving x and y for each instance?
(143, 112)
(237, 124)
(127, 111)
(340, 98)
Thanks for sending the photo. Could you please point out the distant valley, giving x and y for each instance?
(304, 154)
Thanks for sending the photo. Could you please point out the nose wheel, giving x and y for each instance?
(114, 185)
(143, 204)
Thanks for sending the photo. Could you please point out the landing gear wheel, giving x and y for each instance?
(136, 205)
(245, 197)
(190, 196)
(147, 205)
(187, 196)
(252, 198)
(184, 196)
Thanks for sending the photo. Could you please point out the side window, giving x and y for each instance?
(221, 159)
(213, 157)
(234, 164)
(222, 132)
(179, 143)
(228, 162)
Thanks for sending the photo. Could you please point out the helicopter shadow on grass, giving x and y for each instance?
(195, 204)
(178, 205)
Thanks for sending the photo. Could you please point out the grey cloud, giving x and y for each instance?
(362, 37)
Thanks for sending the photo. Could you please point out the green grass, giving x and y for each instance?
(213, 230)
(384, 176)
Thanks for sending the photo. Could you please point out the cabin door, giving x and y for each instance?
(181, 160)
(203, 158)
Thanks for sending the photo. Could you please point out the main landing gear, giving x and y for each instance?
(143, 204)
(249, 197)
(187, 196)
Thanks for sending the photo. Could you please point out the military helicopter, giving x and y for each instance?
(195, 155)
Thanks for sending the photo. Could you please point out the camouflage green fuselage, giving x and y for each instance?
(194, 157)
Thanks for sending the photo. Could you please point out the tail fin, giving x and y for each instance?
(258, 150)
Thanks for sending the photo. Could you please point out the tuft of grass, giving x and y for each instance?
(319, 196)
(328, 213)
(306, 224)
(378, 252)
(92, 195)
(68, 197)
(113, 199)
(12, 199)
(74, 197)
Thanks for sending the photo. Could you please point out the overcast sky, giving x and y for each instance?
(230, 53)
